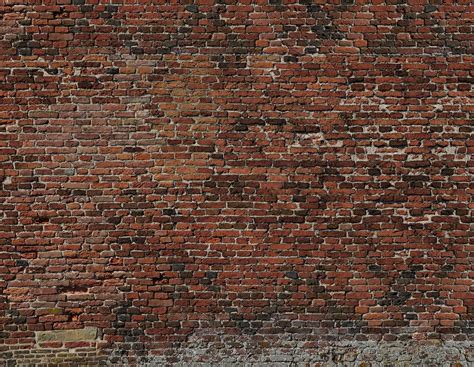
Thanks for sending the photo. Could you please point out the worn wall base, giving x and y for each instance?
(362, 354)
(249, 353)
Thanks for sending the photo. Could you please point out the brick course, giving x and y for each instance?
(270, 182)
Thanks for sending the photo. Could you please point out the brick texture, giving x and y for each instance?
(271, 182)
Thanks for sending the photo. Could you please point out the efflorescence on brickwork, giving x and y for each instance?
(221, 182)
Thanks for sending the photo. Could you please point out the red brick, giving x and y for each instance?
(261, 171)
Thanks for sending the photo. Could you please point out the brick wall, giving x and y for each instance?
(276, 182)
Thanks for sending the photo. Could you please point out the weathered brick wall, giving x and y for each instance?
(278, 182)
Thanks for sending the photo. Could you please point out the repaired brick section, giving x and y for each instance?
(24, 355)
(58, 347)
(296, 175)
(65, 336)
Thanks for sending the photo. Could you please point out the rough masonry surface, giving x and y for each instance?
(222, 182)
